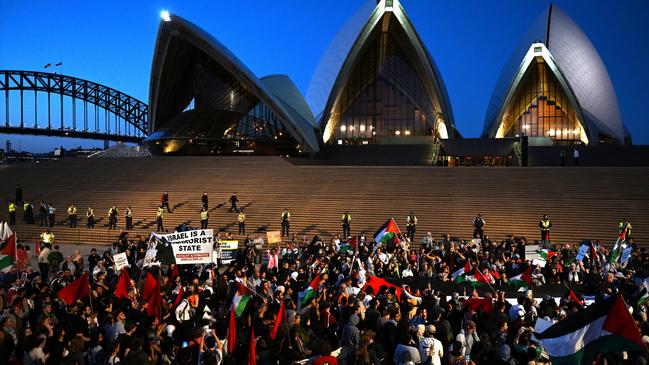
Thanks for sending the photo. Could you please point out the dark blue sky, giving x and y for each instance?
(112, 43)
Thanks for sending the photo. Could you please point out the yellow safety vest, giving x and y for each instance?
(242, 218)
(545, 224)
(47, 237)
(72, 210)
(348, 216)
(25, 206)
(205, 214)
(411, 220)
(129, 213)
(286, 216)
(12, 207)
(160, 213)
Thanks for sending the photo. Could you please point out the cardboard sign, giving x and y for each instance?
(626, 254)
(583, 250)
(531, 252)
(190, 247)
(121, 261)
(229, 250)
(274, 237)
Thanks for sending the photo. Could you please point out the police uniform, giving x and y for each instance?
(72, 216)
(286, 218)
(545, 225)
(205, 215)
(242, 223)
(159, 216)
(346, 221)
(90, 218)
(12, 213)
(112, 218)
(128, 215)
(411, 226)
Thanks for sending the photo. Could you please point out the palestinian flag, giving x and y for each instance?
(311, 290)
(349, 246)
(602, 327)
(387, 232)
(8, 252)
(547, 254)
(241, 298)
(485, 278)
(523, 279)
(475, 304)
(376, 283)
(462, 271)
(467, 279)
(645, 297)
(574, 298)
(617, 247)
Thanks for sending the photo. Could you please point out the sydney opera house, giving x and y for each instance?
(380, 86)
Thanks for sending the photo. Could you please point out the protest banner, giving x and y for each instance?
(532, 252)
(189, 247)
(274, 237)
(120, 261)
(228, 250)
(626, 254)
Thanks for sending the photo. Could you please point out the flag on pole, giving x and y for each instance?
(76, 290)
(8, 251)
(376, 283)
(311, 290)
(252, 357)
(278, 320)
(123, 284)
(387, 232)
(523, 279)
(602, 327)
(462, 271)
(644, 288)
(48, 65)
(59, 64)
(151, 295)
(241, 298)
(232, 331)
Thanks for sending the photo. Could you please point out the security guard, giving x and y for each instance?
(112, 217)
(346, 221)
(285, 218)
(624, 227)
(47, 237)
(72, 216)
(242, 222)
(545, 224)
(28, 212)
(478, 227)
(205, 215)
(128, 216)
(90, 218)
(158, 217)
(12, 213)
(411, 225)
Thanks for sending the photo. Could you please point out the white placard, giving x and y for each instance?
(531, 252)
(191, 247)
(121, 261)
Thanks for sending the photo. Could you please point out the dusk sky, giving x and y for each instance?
(111, 42)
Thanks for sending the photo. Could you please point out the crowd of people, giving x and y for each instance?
(313, 300)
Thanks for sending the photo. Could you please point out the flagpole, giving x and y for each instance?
(488, 283)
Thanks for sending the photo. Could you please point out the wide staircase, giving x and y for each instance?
(583, 203)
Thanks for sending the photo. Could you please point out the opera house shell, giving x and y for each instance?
(555, 89)
(203, 100)
(387, 89)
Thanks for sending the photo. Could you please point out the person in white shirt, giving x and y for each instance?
(430, 347)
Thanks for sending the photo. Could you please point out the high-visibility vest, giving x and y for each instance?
(90, 213)
(160, 213)
(128, 213)
(47, 237)
(242, 218)
(546, 225)
(346, 218)
(112, 211)
(411, 220)
(12, 207)
(25, 206)
(205, 214)
(286, 216)
(72, 210)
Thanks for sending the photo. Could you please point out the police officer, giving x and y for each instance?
(545, 224)
(624, 227)
(242, 222)
(158, 217)
(478, 227)
(286, 219)
(28, 212)
(346, 221)
(112, 217)
(72, 216)
(128, 216)
(233, 202)
(204, 200)
(164, 201)
(90, 218)
(12, 213)
(411, 225)
(205, 215)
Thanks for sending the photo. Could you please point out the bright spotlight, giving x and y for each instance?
(165, 15)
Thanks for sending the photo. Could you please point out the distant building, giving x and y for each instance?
(555, 88)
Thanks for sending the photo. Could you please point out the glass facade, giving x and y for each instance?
(384, 96)
(541, 108)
